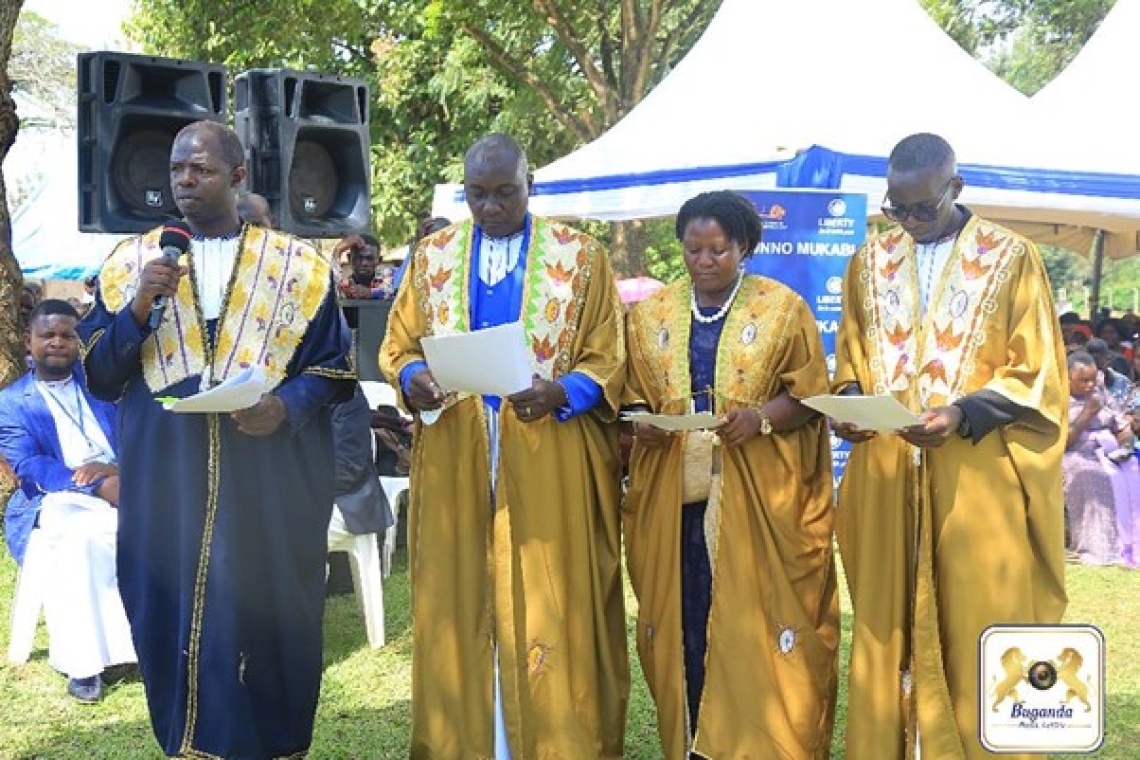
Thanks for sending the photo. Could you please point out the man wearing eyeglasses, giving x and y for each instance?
(956, 523)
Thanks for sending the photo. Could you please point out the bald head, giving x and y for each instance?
(206, 174)
(222, 140)
(496, 150)
(497, 185)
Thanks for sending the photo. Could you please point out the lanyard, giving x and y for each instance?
(77, 418)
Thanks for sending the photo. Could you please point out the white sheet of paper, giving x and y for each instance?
(241, 391)
(674, 422)
(492, 362)
(882, 413)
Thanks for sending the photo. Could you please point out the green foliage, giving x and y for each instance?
(43, 66)
(1068, 272)
(365, 706)
(1044, 36)
(1071, 275)
(971, 24)
(553, 73)
(663, 258)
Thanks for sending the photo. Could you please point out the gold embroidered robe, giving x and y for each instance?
(986, 519)
(222, 535)
(773, 626)
(537, 573)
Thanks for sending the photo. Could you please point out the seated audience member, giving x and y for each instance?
(254, 209)
(1111, 331)
(1076, 337)
(60, 441)
(1115, 384)
(1101, 477)
(1130, 328)
(361, 506)
(369, 280)
(394, 442)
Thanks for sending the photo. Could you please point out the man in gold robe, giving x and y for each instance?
(954, 524)
(519, 624)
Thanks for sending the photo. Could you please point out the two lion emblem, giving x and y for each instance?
(1016, 669)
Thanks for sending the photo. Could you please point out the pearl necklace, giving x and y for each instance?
(719, 315)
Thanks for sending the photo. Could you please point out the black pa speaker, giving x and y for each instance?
(130, 109)
(306, 144)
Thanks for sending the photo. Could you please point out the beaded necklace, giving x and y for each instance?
(721, 312)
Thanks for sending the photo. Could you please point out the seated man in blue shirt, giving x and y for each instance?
(60, 441)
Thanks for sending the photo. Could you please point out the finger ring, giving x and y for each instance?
(526, 410)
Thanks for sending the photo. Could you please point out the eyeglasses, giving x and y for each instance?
(927, 211)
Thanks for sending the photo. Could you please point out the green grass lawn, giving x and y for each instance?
(365, 709)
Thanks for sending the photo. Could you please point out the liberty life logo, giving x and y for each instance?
(1041, 688)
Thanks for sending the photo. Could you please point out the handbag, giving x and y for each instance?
(697, 466)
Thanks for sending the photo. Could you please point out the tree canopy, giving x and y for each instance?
(554, 73)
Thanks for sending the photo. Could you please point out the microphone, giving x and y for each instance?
(175, 241)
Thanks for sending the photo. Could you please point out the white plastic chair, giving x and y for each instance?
(393, 487)
(364, 561)
(28, 602)
(378, 392)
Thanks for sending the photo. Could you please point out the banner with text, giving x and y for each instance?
(809, 237)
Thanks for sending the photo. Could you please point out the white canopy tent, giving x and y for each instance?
(45, 225)
(770, 79)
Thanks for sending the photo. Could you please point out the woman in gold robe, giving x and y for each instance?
(729, 545)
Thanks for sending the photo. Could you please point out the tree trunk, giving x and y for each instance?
(627, 248)
(11, 282)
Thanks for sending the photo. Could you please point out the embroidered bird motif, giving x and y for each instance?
(987, 241)
(890, 268)
(560, 274)
(439, 278)
(936, 370)
(440, 239)
(892, 240)
(973, 269)
(946, 339)
(898, 336)
(543, 349)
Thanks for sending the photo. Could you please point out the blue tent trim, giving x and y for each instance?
(822, 168)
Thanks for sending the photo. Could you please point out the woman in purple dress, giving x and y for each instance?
(1100, 473)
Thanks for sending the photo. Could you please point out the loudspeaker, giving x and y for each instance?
(306, 144)
(130, 109)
